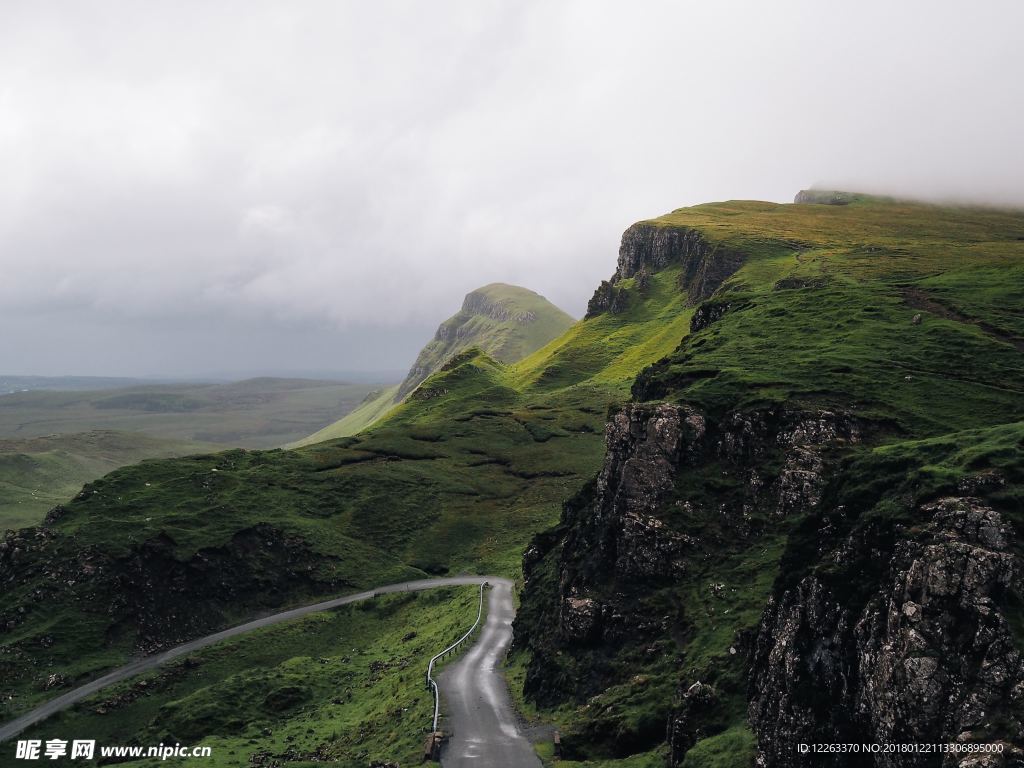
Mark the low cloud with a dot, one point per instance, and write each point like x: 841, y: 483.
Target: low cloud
x: 345, y: 172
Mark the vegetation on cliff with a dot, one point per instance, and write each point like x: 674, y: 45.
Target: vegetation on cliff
x: 807, y: 380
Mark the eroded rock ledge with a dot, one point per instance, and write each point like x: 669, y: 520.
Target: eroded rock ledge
x: 647, y: 248
x: 929, y: 659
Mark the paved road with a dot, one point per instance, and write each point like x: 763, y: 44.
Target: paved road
x: 476, y: 708
x: 14, y: 727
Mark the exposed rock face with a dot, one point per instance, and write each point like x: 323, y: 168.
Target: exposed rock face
x: 823, y: 197
x: 707, y: 314
x: 651, y: 247
x: 644, y: 446
x: 916, y: 648
x: 612, y: 534
x: 681, y: 734
x: 622, y: 540
x: 648, y: 248
x: 930, y: 658
x: 579, y: 618
x: 607, y: 298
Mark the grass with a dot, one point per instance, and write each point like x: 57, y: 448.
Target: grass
x: 820, y: 316
x: 482, y: 456
x: 845, y: 335
x: 36, y: 474
x: 345, y: 685
x: 376, y: 405
x: 732, y: 748
x: 505, y: 322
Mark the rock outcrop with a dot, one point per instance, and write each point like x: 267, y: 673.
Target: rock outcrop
x: 917, y: 648
x: 631, y: 537
x: 930, y: 657
x: 647, y: 248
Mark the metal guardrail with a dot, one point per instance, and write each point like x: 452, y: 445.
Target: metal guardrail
x: 431, y: 683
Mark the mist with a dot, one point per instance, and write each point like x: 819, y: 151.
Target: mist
x: 193, y: 188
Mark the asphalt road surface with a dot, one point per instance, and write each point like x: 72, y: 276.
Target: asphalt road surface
x: 14, y: 727
x: 475, y: 705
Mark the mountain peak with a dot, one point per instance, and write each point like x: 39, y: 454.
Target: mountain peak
x: 508, y: 322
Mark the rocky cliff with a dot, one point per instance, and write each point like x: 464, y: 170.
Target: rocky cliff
x: 647, y: 247
x: 679, y: 494
x: 928, y: 658
x: 917, y: 647
x: 784, y: 546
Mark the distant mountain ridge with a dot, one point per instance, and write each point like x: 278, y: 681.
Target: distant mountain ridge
x: 507, y: 322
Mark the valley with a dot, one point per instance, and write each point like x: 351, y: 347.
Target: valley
x: 54, y: 440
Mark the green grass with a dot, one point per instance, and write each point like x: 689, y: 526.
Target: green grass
x: 733, y: 748
x: 376, y: 405
x: 848, y: 339
x: 483, y: 455
x: 346, y: 685
x: 36, y: 474
x: 504, y: 321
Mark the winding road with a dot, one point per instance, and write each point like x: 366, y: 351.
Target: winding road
x: 481, y: 717
x: 478, y: 714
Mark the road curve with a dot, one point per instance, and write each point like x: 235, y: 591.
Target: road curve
x: 478, y: 714
x: 62, y: 702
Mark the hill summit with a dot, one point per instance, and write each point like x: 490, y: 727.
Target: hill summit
x: 505, y: 321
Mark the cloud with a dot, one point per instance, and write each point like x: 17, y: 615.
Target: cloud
x: 355, y: 168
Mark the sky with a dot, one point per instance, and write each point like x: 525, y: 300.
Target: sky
x: 233, y: 188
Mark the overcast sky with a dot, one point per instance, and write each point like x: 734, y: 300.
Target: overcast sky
x: 239, y: 187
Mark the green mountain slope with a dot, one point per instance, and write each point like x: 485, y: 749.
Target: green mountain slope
x: 457, y: 477
x: 376, y: 405
x: 38, y: 473
x: 761, y: 562
x: 505, y: 321
x: 756, y: 384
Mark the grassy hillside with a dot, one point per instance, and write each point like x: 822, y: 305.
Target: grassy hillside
x: 54, y: 441
x: 505, y: 321
x: 256, y: 413
x: 38, y: 473
x: 345, y: 686
x: 482, y: 455
x: 905, y: 320
x: 458, y: 477
x: 377, y: 404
